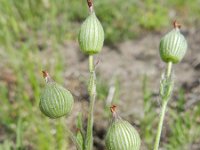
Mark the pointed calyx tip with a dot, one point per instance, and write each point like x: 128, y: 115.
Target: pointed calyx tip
x: 176, y: 24
x: 113, y: 108
x: 45, y: 74
x: 90, y: 5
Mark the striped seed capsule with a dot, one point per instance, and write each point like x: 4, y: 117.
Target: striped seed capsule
x: 121, y: 135
x: 173, y: 45
x: 55, y: 101
x: 91, y: 35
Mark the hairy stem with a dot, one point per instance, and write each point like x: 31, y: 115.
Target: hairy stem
x: 164, y: 106
x: 92, y: 93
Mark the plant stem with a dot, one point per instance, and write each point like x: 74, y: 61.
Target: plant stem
x: 91, y: 63
x: 159, y: 130
x: 164, y: 106
x: 169, y: 69
x: 89, y: 136
x: 89, y: 133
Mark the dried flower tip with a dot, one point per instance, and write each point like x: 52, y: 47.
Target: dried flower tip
x: 176, y: 24
x: 113, y: 108
x: 45, y: 74
x: 90, y: 3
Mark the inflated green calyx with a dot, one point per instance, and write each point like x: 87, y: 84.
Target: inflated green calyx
x: 173, y: 45
x: 55, y: 101
x: 91, y: 35
x: 121, y: 135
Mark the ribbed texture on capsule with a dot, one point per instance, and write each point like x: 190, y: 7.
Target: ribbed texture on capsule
x: 55, y: 101
x: 91, y: 35
x: 122, y: 135
x: 173, y: 46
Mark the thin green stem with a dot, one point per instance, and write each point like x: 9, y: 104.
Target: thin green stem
x: 91, y: 63
x: 159, y: 130
x: 89, y: 133
x: 169, y: 69
x: 164, y: 106
x: 89, y: 136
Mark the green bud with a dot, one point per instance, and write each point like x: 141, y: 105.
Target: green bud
x: 173, y: 46
x: 122, y: 135
x: 91, y: 35
x: 55, y: 101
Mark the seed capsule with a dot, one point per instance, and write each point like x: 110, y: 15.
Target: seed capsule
x: 121, y: 135
x: 55, y: 101
x: 173, y: 45
x: 91, y: 35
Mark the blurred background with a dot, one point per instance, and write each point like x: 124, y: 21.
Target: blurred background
x: 38, y: 35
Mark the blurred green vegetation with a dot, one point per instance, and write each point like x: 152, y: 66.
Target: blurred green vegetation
x: 27, y: 27
x: 43, y: 20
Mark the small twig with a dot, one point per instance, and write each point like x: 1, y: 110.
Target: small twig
x: 110, y: 96
x: 111, y: 92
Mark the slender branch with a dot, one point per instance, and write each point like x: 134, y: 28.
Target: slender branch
x: 165, y: 100
x: 92, y: 92
x: 159, y: 130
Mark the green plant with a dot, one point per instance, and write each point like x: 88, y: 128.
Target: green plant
x: 171, y: 52
x: 33, y: 31
x: 173, y: 46
x: 91, y: 38
x: 121, y: 134
x: 91, y: 35
x: 55, y: 101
